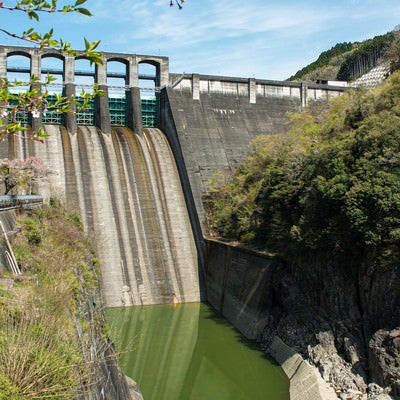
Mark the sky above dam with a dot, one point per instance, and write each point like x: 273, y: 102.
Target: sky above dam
x: 265, y: 39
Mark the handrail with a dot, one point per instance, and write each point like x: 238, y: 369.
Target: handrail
x: 19, y: 201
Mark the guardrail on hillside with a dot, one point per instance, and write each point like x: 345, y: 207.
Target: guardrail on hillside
x: 20, y: 201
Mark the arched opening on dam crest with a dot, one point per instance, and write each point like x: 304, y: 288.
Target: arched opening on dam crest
x: 131, y: 84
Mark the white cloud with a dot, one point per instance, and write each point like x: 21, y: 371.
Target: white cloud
x: 267, y: 38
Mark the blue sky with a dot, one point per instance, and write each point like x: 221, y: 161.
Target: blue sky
x: 265, y: 39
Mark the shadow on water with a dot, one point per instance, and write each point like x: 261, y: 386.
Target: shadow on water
x: 189, y: 352
x: 219, y: 319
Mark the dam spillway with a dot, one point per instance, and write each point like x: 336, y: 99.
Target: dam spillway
x: 127, y: 190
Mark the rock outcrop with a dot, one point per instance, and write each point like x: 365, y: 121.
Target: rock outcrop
x: 344, y: 319
x: 384, y: 359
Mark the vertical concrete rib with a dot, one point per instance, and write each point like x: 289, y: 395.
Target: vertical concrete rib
x: 135, y: 110
x: 195, y: 87
x: 69, y: 91
x: 36, y: 72
x: 252, y: 91
x: 102, y: 108
x: 3, y: 63
x: 183, y: 266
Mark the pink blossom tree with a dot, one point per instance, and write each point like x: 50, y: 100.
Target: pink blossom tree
x: 19, y: 176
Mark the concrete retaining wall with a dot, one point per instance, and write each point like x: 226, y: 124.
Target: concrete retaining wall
x: 305, y: 381
x: 238, y: 286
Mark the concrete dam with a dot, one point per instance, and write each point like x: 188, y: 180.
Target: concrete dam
x: 137, y: 177
x: 127, y: 191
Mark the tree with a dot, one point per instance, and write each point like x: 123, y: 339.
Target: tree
x: 20, y: 175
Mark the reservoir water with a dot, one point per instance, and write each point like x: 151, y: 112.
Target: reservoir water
x: 189, y: 352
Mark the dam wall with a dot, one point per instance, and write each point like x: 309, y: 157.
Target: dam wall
x: 239, y: 286
x: 127, y: 191
x: 210, y: 121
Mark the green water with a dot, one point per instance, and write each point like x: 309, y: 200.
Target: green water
x: 189, y: 352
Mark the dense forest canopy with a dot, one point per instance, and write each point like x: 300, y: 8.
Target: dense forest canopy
x: 347, y: 61
x: 329, y: 186
x: 365, y: 57
x: 324, y: 59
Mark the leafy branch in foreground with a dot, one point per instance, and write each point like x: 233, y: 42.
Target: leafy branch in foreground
x: 36, y: 102
x: 32, y: 8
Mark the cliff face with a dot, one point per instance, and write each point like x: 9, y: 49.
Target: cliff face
x: 345, y: 324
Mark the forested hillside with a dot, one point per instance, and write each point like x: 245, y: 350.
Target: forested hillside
x: 330, y: 185
x: 348, y: 61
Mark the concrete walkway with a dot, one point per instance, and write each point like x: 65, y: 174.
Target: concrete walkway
x: 305, y: 381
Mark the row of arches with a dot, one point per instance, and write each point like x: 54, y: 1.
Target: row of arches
x: 85, y: 73
x: 130, y: 83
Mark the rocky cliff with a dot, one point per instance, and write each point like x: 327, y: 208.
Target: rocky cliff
x: 347, y: 326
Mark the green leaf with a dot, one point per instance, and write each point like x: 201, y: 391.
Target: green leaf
x: 41, y: 133
x: 67, y: 9
x: 84, y: 11
x: 94, y: 44
x: 49, y: 34
x: 34, y: 36
x: 79, y: 2
x: 52, y: 43
x: 33, y: 15
x: 28, y: 32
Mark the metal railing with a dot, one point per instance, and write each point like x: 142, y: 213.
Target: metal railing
x: 19, y: 201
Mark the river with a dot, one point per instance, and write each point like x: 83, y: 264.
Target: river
x: 189, y: 352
